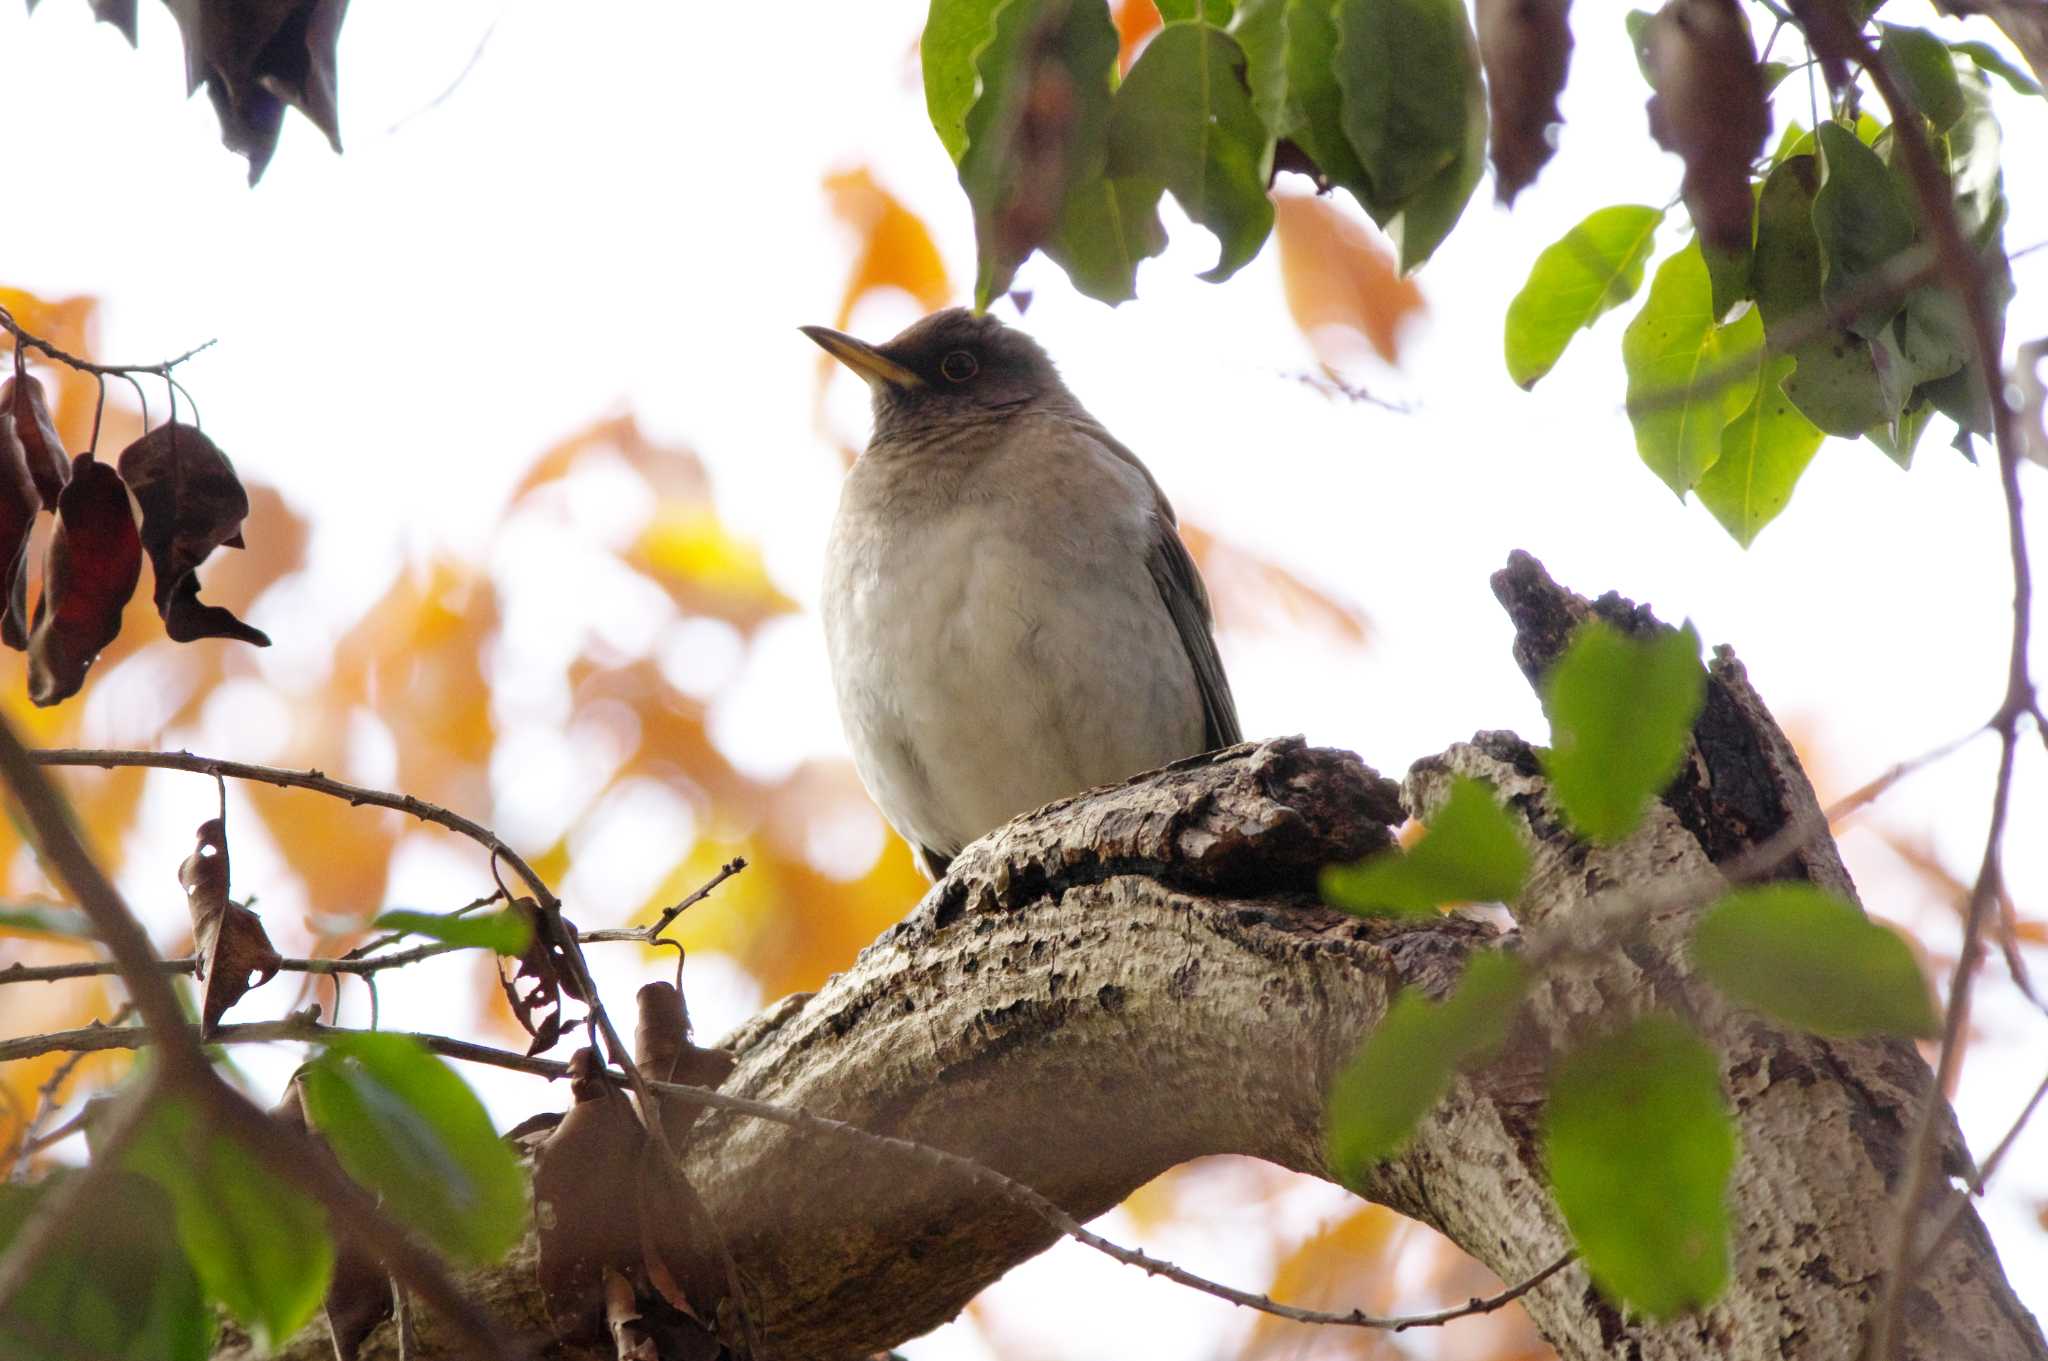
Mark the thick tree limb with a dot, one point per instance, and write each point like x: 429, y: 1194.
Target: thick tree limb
x: 1143, y: 975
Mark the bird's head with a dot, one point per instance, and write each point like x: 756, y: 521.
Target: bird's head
x: 951, y: 367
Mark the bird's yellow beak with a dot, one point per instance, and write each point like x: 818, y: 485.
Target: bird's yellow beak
x: 864, y: 359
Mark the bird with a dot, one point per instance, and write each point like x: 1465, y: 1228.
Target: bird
x: 1010, y: 614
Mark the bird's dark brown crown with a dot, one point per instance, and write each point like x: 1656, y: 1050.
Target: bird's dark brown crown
x: 976, y: 359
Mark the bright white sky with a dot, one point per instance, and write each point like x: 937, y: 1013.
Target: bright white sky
x: 619, y: 206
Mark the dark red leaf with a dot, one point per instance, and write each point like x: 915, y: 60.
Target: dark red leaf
x: 1710, y: 107
x: 192, y: 503
x: 94, y: 561
x: 1526, y: 47
x: 255, y: 58
x: 22, y: 397
x: 19, y: 504
x: 228, y: 938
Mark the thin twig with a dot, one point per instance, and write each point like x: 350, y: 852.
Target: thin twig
x: 161, y: 369
x: 651, y: 934
x: 183, y: 1066
x: 304, y: 1029
x: 1965, y: 276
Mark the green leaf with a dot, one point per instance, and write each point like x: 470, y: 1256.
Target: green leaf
x: 1017, y: 187
x: 1595, y: 266
x: 1640, y: 1146
x: 1994, y: 62
x: 48, y: 921
x: 1315, y: 104
x: 1423, y: 222
x: 1406, y: 69
x: 1405, y: 1066
x: 1763, y: 452
x: 1184, y: 118
x: 1728, y: 275
x: 1921, y: 63
x: 1471, y: 853
x: 1834, y: 382
x: 1812, y: 960
x: 954, y: 30
x: 1106, y: 227
x: 114, y: 1285
x: 1687, y: 376
x: 1637, y: 22
x: 259, y: 1246
x: 1215, y: 12
x: 1621, y: 711
x: 403, y: 1124
x: 1863, y: 224
x: 1260, y: 28
x: 1898, y: 439
x: 505, y: 932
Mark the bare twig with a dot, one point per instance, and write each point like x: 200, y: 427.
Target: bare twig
x: 307, y: 1030
x: 1964, y: 272
x: 183, y: 1066
x: 651, y: 933
x: 29, y: 340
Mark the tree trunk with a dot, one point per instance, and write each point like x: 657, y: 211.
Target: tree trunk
x: 1142, y: 975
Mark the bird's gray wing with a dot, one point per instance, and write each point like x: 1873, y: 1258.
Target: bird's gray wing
x: 1181, y: 590
x: 1180, y: 586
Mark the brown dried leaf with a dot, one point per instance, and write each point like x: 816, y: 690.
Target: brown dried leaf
x: 192, y: 503
x: 1526, y: 47
x: 678, y: 1241
x: 662, y: 1048
x: 546, y: 968
x: 228, y: 938
x: 19, y: 505
x: 585, y: 1205
x: 93, y: 563
x: 255, y: 58
x: 1340, y: 273
x: 22, y: 397
x: 1709, y: 107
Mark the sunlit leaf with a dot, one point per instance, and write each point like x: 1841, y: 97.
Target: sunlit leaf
x: 1405, y: 1066
x: 896, y: 250
x: 1621, y: 711
x: 1595, y: 266
x: 1687, y: 375
x: 504, y: 933
x: 259, y: 1246
x: 1640, y: 1145
x: 1812, y: 960
x: 954, y: 31
x: 1763, y: 452
x: 405, y: 1125
x: 1471, y: 853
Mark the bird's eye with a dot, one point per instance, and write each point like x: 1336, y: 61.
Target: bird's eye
x: 959, y: 366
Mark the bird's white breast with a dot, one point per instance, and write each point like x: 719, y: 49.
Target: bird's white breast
x: 990, y: 658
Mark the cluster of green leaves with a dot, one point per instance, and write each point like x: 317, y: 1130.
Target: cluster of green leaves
x: 1637, y: 1134
x: 1380, y: 97
x: 190, y: 1220
x: 1830, y: 322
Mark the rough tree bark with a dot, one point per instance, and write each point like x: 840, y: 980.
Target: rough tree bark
x: 1143, y: 975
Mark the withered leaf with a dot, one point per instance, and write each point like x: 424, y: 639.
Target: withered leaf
x: 18, y: 507
x: 1526, y: 48
x: 359, y: 1293
x: 92, y: 565
x: 255, y: 58
x: 192, y: 503
x: 1711, y: 108
x: 678, y: 1241
x: 22, y: 397
x: 632, y: 1339
x: 228, y: 938
x: 548, y: 974
x: 585, y: 1206
x: 664, y: 1052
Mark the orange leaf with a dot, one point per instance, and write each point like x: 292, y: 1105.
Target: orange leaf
x: 1250, y: 591
x: 1340, y: 276
x: 896, y: 248
x: 1136, y: 20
